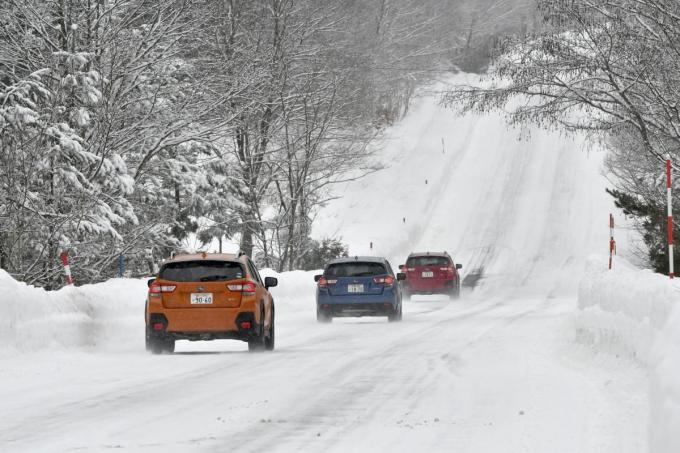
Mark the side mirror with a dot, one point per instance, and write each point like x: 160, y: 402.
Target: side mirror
x: 270, y: 282
x: 401, y: 267
x: 459, y: 266
x: 150, y: 281
x: 317, y: 277
x: 401, y: 276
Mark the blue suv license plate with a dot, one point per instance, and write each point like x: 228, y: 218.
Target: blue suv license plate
x: 355, y: 288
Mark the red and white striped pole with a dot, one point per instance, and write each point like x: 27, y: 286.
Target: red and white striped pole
x: 670, y: 215
x: 67, y: 268
x: 612, y: 242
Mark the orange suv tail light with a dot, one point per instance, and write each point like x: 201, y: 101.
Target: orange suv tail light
x: 247, y: 288
x: 155, y: 289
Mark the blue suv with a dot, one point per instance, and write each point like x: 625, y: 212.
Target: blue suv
x: 358, y: 286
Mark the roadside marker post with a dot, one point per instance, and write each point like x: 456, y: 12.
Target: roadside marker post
x: 121, y: 266
x: 612, y: 242
x: 67, y: 267
x: 669, y: 176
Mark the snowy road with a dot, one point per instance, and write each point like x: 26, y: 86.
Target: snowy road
x: 498, y: 371
x: 470, y: 376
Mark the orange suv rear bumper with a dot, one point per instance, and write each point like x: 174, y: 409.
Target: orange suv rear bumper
x: 202, y: 323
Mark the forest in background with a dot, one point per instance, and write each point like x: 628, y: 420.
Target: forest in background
x: 129, y: 126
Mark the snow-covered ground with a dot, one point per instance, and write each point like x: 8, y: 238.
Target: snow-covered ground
x: 479, y: 375
x: 500, y: 370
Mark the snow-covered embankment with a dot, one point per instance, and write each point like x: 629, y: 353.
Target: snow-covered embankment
x: 89, y: 316
x: 108, y: 315
x: 632, y: 312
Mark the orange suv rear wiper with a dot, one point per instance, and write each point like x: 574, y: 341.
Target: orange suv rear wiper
x: 210, y: 278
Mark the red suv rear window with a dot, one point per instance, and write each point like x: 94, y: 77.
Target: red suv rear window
x: 417, y: 261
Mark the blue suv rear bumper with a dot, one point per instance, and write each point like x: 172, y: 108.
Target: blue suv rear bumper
x: 357, y: 305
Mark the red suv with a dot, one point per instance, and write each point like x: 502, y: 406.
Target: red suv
x: 431, y: 273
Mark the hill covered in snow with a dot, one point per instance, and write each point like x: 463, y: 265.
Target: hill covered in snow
x: 521, y: 209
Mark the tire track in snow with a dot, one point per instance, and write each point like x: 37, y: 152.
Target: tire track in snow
x: 435, y: 198
x: 341, y: 407
x: 55, y: 420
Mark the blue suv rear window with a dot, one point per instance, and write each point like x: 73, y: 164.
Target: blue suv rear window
x: 201, y: 271
x: 355, y: 269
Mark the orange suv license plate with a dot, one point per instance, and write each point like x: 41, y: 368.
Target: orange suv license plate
x: 201, y: 298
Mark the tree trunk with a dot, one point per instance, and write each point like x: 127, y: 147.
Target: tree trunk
x: 246, y: 244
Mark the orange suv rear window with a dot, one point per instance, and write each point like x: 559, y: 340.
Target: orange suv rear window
x: 202, y: 271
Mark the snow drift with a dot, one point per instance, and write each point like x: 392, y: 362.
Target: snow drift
x: 636, y: 313
x: 108, y: 315
x: 665, y: 388
x: 94, y: 316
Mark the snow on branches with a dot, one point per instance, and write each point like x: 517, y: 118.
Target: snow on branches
x: 132, y: 127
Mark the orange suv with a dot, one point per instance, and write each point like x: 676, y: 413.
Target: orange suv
x: 209, y: 296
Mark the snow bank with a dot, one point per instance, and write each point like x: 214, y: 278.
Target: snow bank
x: 636, y: 313
x: 108, y: 315
x: 665, y: 389
x: 294, y: 293
x: 92, y: 316
x: 623, y: 310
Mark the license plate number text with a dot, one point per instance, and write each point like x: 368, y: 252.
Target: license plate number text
x: 355, y: 288
x: 201, y: 298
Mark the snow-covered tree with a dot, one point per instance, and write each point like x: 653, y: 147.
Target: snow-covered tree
x: 133, y: 127
x: 56, y: 191
x: 90, y: 81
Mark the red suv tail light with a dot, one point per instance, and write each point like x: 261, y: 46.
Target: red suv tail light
x: 247, y: 288
x: 387, y: 280
x: 325, y: 282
